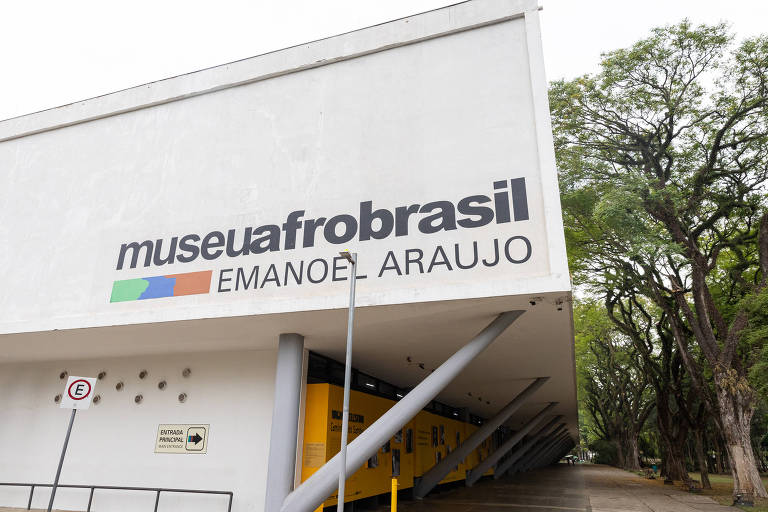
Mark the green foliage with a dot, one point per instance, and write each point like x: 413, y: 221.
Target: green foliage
x: 605, y: 452
x: 614, y: 396
x: 589, y: 321
x: 754, y: 338
x: 646, y: 138
x: 663, y: 167
x: 648, y: 446
x: 663, y: 159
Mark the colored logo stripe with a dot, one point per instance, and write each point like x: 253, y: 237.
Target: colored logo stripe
x: 174, y: 285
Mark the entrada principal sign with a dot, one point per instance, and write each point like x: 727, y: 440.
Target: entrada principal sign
x: 507, y: 203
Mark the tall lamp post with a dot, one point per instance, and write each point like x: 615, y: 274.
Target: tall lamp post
x: 352, y: 259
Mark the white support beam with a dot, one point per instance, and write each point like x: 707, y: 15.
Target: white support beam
x: 316, y: 489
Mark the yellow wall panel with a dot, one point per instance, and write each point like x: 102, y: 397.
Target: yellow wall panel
x: 432, y: 438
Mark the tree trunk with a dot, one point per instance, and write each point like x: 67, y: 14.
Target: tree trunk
x: 632, y: 454
x: 734, y: 398
x: 703, y: 469
x: 676, y: 464
x: 673, y: 433
x: 722, y: 456
x: 619, y: 453
x: 673, y: 453
x: 662, y: 457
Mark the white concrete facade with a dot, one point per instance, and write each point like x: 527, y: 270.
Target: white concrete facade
x: 446, y: 110
x: 112, y: 442
x: 419, y: 122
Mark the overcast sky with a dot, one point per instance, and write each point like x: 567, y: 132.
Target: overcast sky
x: 55, y: 52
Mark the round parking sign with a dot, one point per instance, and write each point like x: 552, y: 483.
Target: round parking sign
x: 79, y: 389
x: 78, y: 393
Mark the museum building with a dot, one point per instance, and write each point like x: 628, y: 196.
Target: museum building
x: 181, y: 241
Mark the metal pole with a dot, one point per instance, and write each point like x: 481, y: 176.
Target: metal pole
x: 393, y: 500
x: 347, y: 380
x: 90, y: 499
x: 61, y: 460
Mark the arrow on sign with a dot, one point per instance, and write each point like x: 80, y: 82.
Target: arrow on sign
x: 195, y: 438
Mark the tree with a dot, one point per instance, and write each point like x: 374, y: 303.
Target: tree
x: 680, y: 406
x: 669, y: 142
x: 615, y: 391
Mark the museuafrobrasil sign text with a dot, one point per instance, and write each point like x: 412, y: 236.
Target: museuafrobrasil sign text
x: 507, y: 203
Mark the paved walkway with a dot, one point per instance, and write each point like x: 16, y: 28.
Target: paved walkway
x: 563, y: 488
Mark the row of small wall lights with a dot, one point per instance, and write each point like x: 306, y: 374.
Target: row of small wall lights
x: 143, y: 374
x: 411, y: 362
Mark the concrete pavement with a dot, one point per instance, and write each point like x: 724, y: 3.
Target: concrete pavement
x: 563, y: 488
x: 613, y: 490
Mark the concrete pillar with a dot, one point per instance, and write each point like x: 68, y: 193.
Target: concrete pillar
x: 567, y: 448
x: 310, y: 494
x: 285, y: 420
x: 536, y: 460
x: 537, y: 438
x: 439, y: 471
x: 548, y: 452
x: 555, y: 453
x: 536, y: 451
x: 493, y: 458
x: 532, y: 456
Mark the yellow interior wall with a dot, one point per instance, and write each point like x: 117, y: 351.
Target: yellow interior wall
x: 322, y: 435
x: 427, y: 453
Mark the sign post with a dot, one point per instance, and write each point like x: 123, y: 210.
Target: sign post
x: 78, y: 394
x: 352, y: 258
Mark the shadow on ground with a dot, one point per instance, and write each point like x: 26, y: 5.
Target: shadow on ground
x: 564, y: 488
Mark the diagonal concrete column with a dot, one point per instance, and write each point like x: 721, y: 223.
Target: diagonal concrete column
x: 550, y: 452
x: 527, y: 462
x: 433, y: 477
x: 524, y: 459
x: 493, y: 458
x: 537, y: 438
x: 316, y: 489
x: 569, y: 446
x: 537, y: 461
x: 565, y: 448
x: 524, y: 456
x: 555, y: 454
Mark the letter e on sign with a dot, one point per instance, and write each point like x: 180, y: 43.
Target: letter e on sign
x: 78, y: 393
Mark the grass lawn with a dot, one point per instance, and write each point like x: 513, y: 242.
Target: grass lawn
x: 722, y: 490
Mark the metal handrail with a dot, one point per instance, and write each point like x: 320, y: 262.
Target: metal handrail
x: 156, y: 490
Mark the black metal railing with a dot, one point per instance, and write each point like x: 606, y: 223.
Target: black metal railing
x: 156, y: 490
